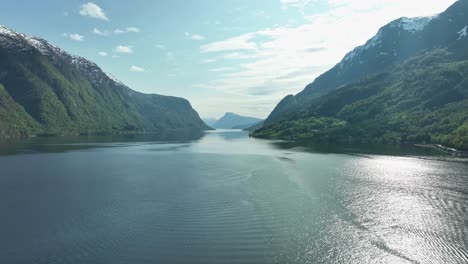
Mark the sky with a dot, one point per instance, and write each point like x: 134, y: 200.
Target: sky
x: 239, y: 56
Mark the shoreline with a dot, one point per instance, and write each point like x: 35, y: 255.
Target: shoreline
x: 444, y: 149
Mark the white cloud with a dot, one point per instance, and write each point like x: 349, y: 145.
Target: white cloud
x: 242, y: 42
x: 74, y: 36
x: 100, y: 33
x: 160, y: 46
x: 230, y: 56
x: 136, y: 69
x: 209, y: 60
x: 236, y: 56
x: 300, y: 4
x: 119, y: 31
x: 283, y: 60
x: 123, y: 49
x: 103, y: 53
x: 77, y: 37
x: 287, y: 2
x: 93, y: 10
x: 194, y: 36
x: 197, y: 37
x: 221, y: 69
x: 297, y: 2
x: 132, y: 29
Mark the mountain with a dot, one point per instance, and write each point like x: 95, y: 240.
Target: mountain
x: 45, y: 90
x: 394, y: 43
x: 254, y: 127
x: 418, y: 93
x: 209, y: 121
x: 234, y: 121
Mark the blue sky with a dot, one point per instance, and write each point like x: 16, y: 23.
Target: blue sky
x: 238, y: 56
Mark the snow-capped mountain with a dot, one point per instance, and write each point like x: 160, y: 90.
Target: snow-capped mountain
x: 393, y: 43
x: 379, y: 43
x: 44, y: 89
x: 17, y: 42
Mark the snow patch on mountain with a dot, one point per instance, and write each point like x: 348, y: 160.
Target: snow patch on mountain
x: 411, y: 25
x: 6, y: 31
x: 462, y: 33
x: 373, y: 42
x: 7, y: 36
x: 376, y: 40
x: 39, y: 44
x: 20, y: 42
x: 113, y: 78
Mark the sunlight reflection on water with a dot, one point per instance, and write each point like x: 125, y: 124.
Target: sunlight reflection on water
x: 227, y: 198
x: 406, y: 206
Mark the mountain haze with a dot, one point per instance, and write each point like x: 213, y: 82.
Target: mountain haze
x: 209, y: 121
x: 235, y: 121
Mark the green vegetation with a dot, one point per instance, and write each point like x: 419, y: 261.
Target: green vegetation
x: 14, y: 119
x: 423, y: 100
x: 51, y: 95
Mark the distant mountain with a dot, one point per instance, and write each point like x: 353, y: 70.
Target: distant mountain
x: 394, y: 43
x: 234, y: 121
x: 209, y: 121
x: 45, y: 90
x: 408, y: 84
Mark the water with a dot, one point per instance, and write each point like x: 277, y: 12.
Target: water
x: 226, y: 198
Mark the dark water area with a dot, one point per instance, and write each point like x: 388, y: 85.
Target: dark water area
x: 223, y: 197
x: 69, y: 143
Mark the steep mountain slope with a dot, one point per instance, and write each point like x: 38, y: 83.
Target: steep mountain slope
x: 44, y: 90
x: 394, y: 43
x: 234, y: 121
x: 423, y: 100
x: 408, y: 84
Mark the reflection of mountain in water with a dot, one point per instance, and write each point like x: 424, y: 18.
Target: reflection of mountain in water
x: 69, y: 143
x: 231, y: 134
x: 357, y: 149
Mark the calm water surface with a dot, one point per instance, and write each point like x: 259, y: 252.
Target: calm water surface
x: 226, y: 198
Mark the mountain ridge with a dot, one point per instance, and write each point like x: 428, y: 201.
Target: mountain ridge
x: 425, y: 81
x: 234, y: 121
x: 54, y: 92
x: 393, y: 43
